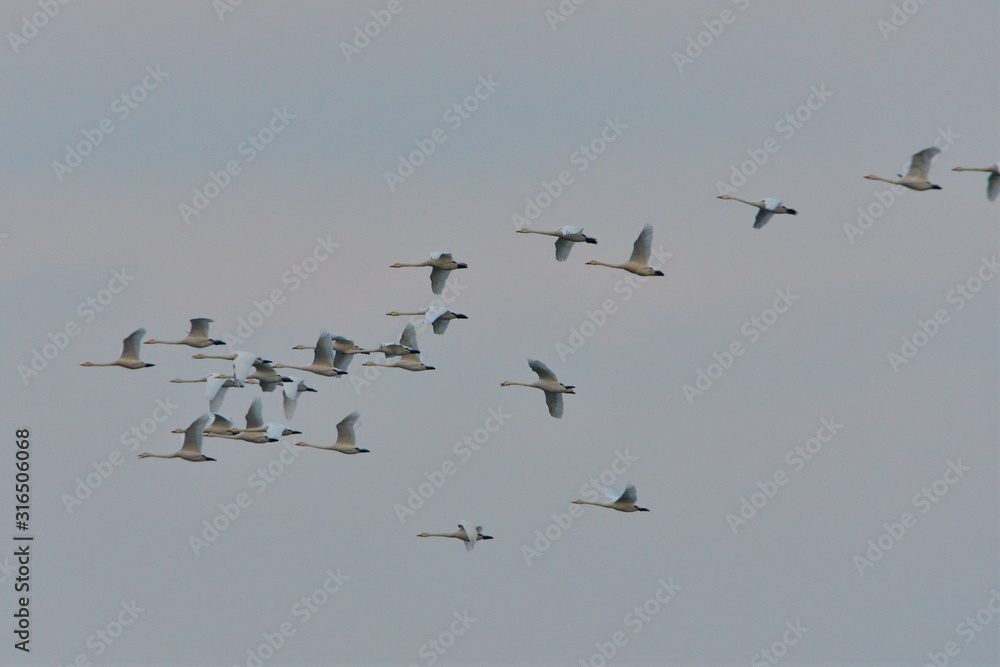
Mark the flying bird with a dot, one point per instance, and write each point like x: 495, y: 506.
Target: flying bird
x: 345, y: 437
x: 441, y: 264
x: 638, y: 263
x: 436, y: 316
x: 191, y: 450
x: 197, y: 336
x: 916, y: 177
x: 992, y: 183
x: 323, y: 358
x: 565, y: 238
x: 130, y: 353
x: 768, y: 207
x: 466, y: 532
x: 548, y: 383
x: 623, y: 502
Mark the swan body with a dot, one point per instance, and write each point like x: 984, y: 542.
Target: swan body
x: 191, y: 450
x: 323, y: 358
x: 407, y: 344
x: 565, y: 238
x: 345, y: 437
x: 441, y: 263
x: 992, y: 183
x: 130, y: 353
x: 197, y: 336
x: 466, y: 532
x: 548, y: 383
x: 916, y: 177
x: 638, y: 263
x: 623, y: 502
x: 768, y: 206
x: 436, y: 316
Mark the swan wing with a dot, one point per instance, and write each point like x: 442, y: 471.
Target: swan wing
x: 763, y: 215
x: 438, y: 278
x: 130, y: 346
x: 255, y: 415
x: 629, y: 495
x: 568, y: 231
x: 433, y: 313
x: 345, y: 429
x: 642, y: 247
x: 920, y: 164
x: 199, y: 327
x: 611, y: 493
x: 440, y: 326
x: 471, y: 533
x: 542, y: 370
x: 993, y: 186
x: 563, y: 246
x: 241, y: 367
x: 409, y: 337
x: 554, y: 400
x: 193, y: 434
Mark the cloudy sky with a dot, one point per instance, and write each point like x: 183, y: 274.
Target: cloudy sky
x: 809, y: 410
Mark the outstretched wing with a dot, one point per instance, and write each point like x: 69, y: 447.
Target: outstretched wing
x: 438, y: 278
x: 323, y: 356
x: 130, y: 346
x: 199, y: 327
x: 554, y: 400
x: 409, y: 337
x: 563, y: 247
x: 993, y: 186
x: 471, y: 533
x: 255, y: 415
x: 611, y: 493
x: 921, y: 162
x: 643, y: 246
x: 193, y: 434
x: 440, y: 326
x: 628, y: 496
x: 220, y: 424
x: 345, y: 429
x: 543, y: 371
x: 763, y: 215
x: 215, y: 391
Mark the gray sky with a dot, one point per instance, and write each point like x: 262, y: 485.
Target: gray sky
x: 684, y: 127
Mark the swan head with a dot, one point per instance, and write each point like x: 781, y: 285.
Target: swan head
x: 484, y: 537
x: 395, y: 266
x: 505, y: 384
x: 580, y: 502
x: 363, y: 451
x: 144, y: 455
x: 198, y: 356
x: 523, y: 230
x: 178, y: 430
x: 368, y: 363
x: 87, y: 363
x: 462, y: 265
x: 206, y: 458
x: 391, y: 312
x: 657, y: 273
x: 423, y: 535
x: 216, y: 341
x: 792, y: 211
x: 936, y: 187
x: 591, y: 262
x: 723, y: 197
x: 873, y: 177
x: 640, y: 509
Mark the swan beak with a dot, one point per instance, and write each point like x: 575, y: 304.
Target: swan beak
x: 463, y: 265
x: 590, y: 262
x: 364, y: 451
x: 310, y: 389
x: 430, y: 368
x: 936, y: 187
x: 523, y: 230
x: 422, y: 535
x: 658, y: 273
x: 577, y: 502
x: 459, y: 316
x: 722, y: 197
x: 642, y: 509
x: 869, y: 176
x: 209, y: 458
x: 485, y: 537
x: 216, y: 341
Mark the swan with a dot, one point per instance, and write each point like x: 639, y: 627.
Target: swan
x: 191, y: 450
x: 343, y: 350
x: 565, y: 238
x: 436, y: 316
x: 992, y: 183
x: 408, y: 362
x: 242, y: 363
x: 916, y: 177
x: 624, y: 502
x: 442, y: 264
x: 548, y: 383
x: 345, y: 437
x: 197, y: 337
x: 257, y: 431
x: 220, y: 427
x: 638, y: 263
x: 465, y: 529
x: 130, y: 353
x: 215, y: 388
x: 322, y: 359
x: 290, y: 394
x: 407, y: 344
x: 768, y: 207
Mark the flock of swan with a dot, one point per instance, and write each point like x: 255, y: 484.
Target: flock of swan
x: 332, y: 354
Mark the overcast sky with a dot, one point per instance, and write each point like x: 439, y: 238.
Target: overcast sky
x: 254, y: 141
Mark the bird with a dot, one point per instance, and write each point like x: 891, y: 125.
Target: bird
x: 465, y: 530
x: 345, y: 437
x: 623, y: 502
x: 219, y: 427
x: 191, y: 450
x: 197, y: 336
x: 257, y: 431
x: 565, y: 238
x: 290, y: 394
x: 242, y: 363
x: 130, y: 353
x: 638, y: 263
x: 768, y: 207
x: 408, y: 362
x: 548, y: 383
x: 992, y: 183
x: 407, y: 344
x: 916, y: 177
x: 436, y: 316
x: 322, y: 358
x: 215, y: 388
x: 264, y: 374
x: 343, y: 349
x: 441, y: 264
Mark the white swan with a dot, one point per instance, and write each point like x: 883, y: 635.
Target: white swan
x: 290, y: 394
x: 345, y: 437
x: 407, y: 344
x: 322, y: 359
x: 466, y: 532
x: 441, y: 264
x: 623, y: 502
x: 638, y: 263
x: 343, y: 348
x: 436, y: 316
x: 548, y: 383
x: 216, y: 385
x: 242, y: 363
x: 257, y: 431
x: 197, y: 336
x: 191, y: 450
x: 992, y: 183
x: 130, y: 353
x: 220, y: 427
x: 565, y: 238
x: 916, y: 177
x: 768, y: 207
